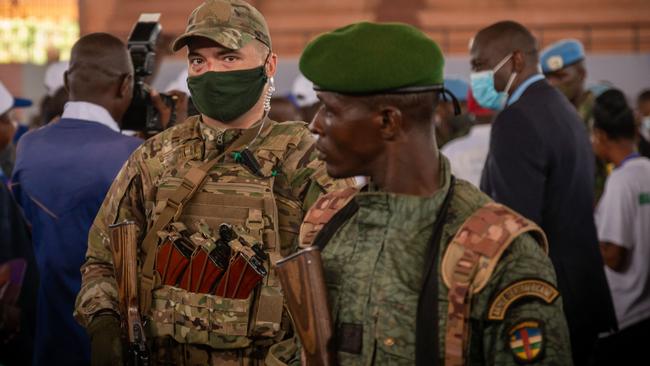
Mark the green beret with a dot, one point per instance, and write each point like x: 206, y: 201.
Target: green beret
x: 373, y: 58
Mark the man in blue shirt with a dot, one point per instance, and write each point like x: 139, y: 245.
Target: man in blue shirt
x: 63, y: 171
x: 541, y: 164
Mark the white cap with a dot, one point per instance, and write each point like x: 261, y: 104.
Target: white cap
x: 6, y: 99
x: 303, y: 92
x: 54, y: 76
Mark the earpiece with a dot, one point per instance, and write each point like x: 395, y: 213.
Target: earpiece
x: 269, y: 95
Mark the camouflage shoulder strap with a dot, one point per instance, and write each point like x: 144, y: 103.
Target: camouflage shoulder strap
x: 470, y: 260
x: 322, y: 212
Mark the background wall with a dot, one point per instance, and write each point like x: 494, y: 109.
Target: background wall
x: 616, y: 33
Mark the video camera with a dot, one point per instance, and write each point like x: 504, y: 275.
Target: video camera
x: 142, y: 115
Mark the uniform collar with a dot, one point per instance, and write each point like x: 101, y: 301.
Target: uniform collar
x: 216, y: 138
x: 399, y: 202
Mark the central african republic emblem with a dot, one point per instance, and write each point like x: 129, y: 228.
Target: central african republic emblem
x: 526, y: 341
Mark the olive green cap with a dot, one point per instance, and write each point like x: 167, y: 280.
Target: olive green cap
x: 231, y: 23
x: 373, y: 58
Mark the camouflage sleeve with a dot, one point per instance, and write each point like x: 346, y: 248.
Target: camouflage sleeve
x: 518, y: 318
x: 307, y: 175
x: 123, y: 202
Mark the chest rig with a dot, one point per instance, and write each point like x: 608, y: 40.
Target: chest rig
x: 201, y: 292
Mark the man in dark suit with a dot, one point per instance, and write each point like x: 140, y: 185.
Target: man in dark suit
x: 63, y: 171
x: 541, y: 164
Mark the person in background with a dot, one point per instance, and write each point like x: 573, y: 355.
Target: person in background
x: 304, y: 97
x: 643, y: 110
x: 17, y: 316
x: 52, y: 106
x: 622, y: 220
x: 467, y: 154
x: 63, y: 171
x: 541, y: 164
x: 53, y: 80
x: 7, y: 131
x: 563, y: 65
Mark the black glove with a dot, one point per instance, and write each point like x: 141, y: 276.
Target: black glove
x: 105, y: 340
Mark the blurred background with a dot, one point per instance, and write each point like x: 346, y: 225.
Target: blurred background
x: 615, y: 33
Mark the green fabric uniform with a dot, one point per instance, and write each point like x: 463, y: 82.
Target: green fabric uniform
x: 286, y: 154
x: 375, y: 261
x: 374, y: 269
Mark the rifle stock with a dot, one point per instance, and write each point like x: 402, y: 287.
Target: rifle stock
x: 124, y: 250
x: 303, y: 283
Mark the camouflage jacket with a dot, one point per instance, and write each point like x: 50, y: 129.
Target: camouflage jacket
x: 135, y: 194
x: 374, y: 268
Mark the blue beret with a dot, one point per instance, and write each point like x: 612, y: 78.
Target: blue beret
x: 458, y: 87
x: 561, y: 54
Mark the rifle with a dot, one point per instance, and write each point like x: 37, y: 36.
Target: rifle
x: 303, y: 283
x: 124, y: 242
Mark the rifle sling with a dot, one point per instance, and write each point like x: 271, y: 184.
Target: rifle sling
x: 427, y: 350
x: 192, y: 181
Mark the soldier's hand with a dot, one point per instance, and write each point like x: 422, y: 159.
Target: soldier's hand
x: 105, y: 341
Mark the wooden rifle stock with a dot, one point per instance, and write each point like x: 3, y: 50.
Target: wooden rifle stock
x: 124, y: 250
x: 301, y: 275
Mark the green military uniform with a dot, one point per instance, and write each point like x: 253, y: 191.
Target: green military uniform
x: 179, y: 187
x: 375, y: 262
x: 292, y: 180
x: 374, y: 268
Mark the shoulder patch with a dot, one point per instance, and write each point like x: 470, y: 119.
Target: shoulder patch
x: 518, y: 290
x: 527, y: 341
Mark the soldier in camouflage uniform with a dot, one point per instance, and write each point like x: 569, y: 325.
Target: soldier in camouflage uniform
x: 390, y: 280
x: 563, y: 64
x: 260, y: 177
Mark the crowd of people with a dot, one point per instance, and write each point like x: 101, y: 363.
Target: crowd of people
x: 501, y: 220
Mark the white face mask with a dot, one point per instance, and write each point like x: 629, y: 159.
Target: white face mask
x: 644, y: 129
x: 483, y: 89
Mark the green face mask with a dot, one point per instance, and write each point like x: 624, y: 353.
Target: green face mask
x: 226, y: 95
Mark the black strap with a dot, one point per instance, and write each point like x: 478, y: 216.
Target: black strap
x: 325, y: 234
x: 454, y: 100
x: 426, y: 328
x: 427, y: 349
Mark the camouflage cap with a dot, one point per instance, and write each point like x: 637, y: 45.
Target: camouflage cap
x: 231, y: 23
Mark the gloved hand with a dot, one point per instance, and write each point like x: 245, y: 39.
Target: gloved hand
x: 105, y: 340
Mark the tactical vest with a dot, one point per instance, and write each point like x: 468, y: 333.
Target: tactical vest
x: 467, y: 263
x: 230, y: 194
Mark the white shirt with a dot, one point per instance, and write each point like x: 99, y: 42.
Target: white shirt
x: 90, y: 112
x: 467, y: 154
x: 623, y: 219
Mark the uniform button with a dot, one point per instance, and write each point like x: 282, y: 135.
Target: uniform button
x: 389, y: 342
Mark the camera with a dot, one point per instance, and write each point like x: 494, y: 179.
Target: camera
x: 142, y: 115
